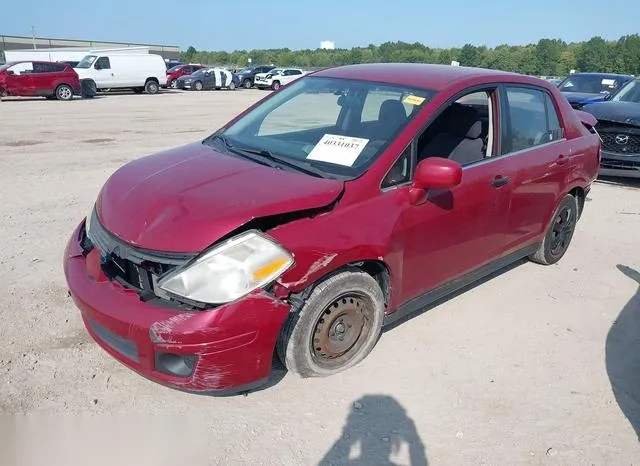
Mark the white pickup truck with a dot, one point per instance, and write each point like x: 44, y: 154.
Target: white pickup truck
x: 277, y: 77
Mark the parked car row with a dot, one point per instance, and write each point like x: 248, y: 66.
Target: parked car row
x: 104, y: 72
x: 199, y: 77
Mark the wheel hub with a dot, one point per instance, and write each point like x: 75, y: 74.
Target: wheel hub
x: 339, y: 328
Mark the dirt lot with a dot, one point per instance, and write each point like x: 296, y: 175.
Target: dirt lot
x: 527, y: 368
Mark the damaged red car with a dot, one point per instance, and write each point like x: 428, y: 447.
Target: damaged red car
x: 344, y: 201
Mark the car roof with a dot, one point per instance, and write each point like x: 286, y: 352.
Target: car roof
x: 422, y: 75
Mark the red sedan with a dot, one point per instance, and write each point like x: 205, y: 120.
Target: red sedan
x: 334, y: 206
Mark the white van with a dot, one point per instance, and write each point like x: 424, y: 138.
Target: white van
x: 138, y: 72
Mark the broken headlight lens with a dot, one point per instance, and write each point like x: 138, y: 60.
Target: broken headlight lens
x: 230, y: 270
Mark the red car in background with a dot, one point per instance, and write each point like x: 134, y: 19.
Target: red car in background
x: 180, y: 70
x: 52, y: 80
x: 349, y: 198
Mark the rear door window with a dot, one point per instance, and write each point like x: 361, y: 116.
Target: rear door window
x: 531, y: 120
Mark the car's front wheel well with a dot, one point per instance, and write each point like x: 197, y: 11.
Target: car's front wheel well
x: 377, y: 269
x: 380, y: 272
x: 581, y: 197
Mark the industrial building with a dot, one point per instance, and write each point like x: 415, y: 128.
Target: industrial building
x: 168, y: 52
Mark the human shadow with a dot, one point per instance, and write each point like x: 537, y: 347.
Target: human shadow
x: 379, y: 427
x: 623, y: 355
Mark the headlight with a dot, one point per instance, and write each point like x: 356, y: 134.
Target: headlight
x: 230, y: 270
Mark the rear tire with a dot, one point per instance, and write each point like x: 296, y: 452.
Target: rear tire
x: 559, y: 233
x: 151, y: 87
x: 337, y: 327
x: 64, y: 92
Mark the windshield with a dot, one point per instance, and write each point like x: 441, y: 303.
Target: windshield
x: 87, y: 61
x: 630, y: 92
x: 591, y: 84
x: 338, y: 126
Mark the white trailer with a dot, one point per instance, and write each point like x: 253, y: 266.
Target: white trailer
x: 72, y: 54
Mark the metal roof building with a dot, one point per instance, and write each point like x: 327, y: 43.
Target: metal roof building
x: 171, y: 52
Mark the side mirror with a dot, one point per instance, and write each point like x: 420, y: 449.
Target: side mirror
x: 434, y: 173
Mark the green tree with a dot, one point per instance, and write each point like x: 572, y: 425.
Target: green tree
x: 546, y: 57
x: 189, y: 54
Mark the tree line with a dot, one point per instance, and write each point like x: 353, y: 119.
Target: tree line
x: 549, y: 57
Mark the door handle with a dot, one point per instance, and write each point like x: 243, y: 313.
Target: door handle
x: 499, y: 181
x: 562, y: 159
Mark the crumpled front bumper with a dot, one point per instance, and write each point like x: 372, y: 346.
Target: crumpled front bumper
x: 221, y: 351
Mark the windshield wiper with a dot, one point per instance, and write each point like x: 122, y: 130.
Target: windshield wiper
x: 232, y: 149
x: 266, y: 157
x: 304, y: 167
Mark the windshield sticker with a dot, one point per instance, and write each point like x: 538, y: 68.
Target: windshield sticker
x: 413, y: 100
x: 608, y: 82
x: 340, y: 150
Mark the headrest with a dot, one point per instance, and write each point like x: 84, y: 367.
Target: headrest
x: 462, y: 120
x: 392, y: 111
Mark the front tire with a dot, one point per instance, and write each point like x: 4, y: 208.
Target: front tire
x: 247, y: 83
x: 232, y: 86
x: 276, y: 85
x: 197, y: 86
x: 559, y: 233
x: 151, y: 87
x: 337, y: 327
x: 64, y: 92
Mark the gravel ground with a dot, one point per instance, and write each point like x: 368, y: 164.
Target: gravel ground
x: 538, y: 366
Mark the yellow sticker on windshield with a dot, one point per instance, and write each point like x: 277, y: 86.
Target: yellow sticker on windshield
x: 413, y: 100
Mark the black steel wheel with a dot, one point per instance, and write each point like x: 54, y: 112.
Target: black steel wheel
x: 559, y: 233
x: 337, y: 327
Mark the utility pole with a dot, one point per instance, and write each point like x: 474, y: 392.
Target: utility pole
x: 33, y: 36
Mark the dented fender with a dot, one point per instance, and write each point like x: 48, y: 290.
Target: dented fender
x: 342, y: 245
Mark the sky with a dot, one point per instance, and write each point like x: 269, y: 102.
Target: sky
x: 251, y: 24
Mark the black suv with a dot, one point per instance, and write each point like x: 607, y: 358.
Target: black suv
x: 247, y: 75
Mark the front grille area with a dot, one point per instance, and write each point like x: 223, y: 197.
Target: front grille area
x: 620, y: 164
x: 132, y: 267
x: 619, y: 139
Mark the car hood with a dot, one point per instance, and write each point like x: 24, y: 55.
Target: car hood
x: 184, y: 199
x: 581, y: 97
x: 618, y: 112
